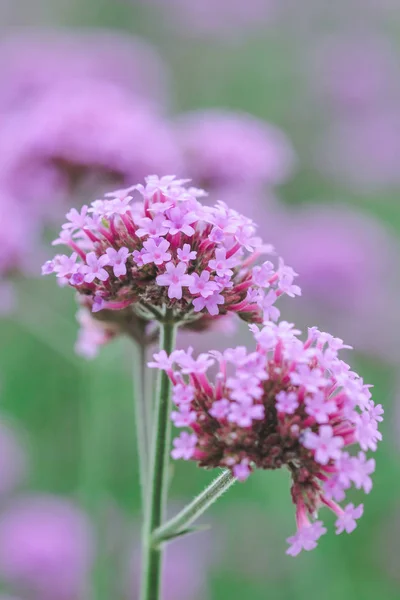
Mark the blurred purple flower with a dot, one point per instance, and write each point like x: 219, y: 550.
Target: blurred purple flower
x: 82, y: 136
x: 363, y: 153
x: 348, y: 268
x: 17, y: 255
x: 224, y: 148
x: 33, y: 61
x: 216, y: 17
x: 357, y: 72
x: 45, y: 547
x: 13, y: 462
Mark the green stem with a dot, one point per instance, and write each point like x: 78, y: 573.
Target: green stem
x: 158, y: 481
x: 195, y: 509
x: 142, y: 417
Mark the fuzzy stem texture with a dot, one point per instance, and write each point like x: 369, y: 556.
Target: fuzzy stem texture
x: 180, y: 523
x: 158, y: 478
x: 142, y: 417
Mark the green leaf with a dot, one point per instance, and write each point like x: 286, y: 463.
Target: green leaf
x: 169, y: 537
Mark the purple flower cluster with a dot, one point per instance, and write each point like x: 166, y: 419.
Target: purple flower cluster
x: 46, y: 547
x: 156, y: 247
x: 288, y: 403
x: 93, y: 116
x: 18, y: 236
x: 77, y: 56
x: 230, y: 149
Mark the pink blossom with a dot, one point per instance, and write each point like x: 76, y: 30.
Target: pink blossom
x: 220, y: 408
x: 175, y: 278
x: 92, y: 335
x: 266, y: 303
x: 180, y: 221
x: 305, y: 538
x: 244, y: 414
x: 310, y: 379
x: 202, y: 285
x: 186, y: 254
x: 210, y: 303
x: 221, y: 265
x: 245, y: 387
x: 287, y: 402
x: 347, y: 519
x: 318, y: 407
x: 137, y: 256
x: 94, y: 267
x: 184, y: 446
x: 375, y: 411
x: 189, y: 365
x: 162, y: 361
x: 152, y: 227
x: 121, y: 206
x: 117, y: 260
x: 182, y: 394
x: 324, y: 443
x: 48, y: 267
x: 363, y: 469
x: 367, y: 432
x: 77, y: 220
x: 185, y: 417
x: 335, y: 488
x: 242, y: 470
x: 156, y: 251
x: 65, y: 265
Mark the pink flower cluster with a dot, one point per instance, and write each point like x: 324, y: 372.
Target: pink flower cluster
x: 156, y: 247
x: 288, y: 403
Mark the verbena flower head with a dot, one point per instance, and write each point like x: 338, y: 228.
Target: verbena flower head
x: 287, y: 404
x: 156, y: 248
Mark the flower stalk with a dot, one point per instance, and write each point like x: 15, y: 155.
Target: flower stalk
x: 142, y: 416
x: 158, y: 475
x: 179, y: 524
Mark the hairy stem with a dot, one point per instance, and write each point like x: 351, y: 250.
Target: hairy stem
x: 158, y: 479
x: 142, y: 416
x: 195, y: 509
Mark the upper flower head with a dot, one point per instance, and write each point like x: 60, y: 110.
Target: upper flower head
x: 288, y: 403
x: 157, y: 248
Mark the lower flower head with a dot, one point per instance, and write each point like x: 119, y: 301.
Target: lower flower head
x: 287, y: 404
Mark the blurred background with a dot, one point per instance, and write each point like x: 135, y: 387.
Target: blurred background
x: 290, y: 112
